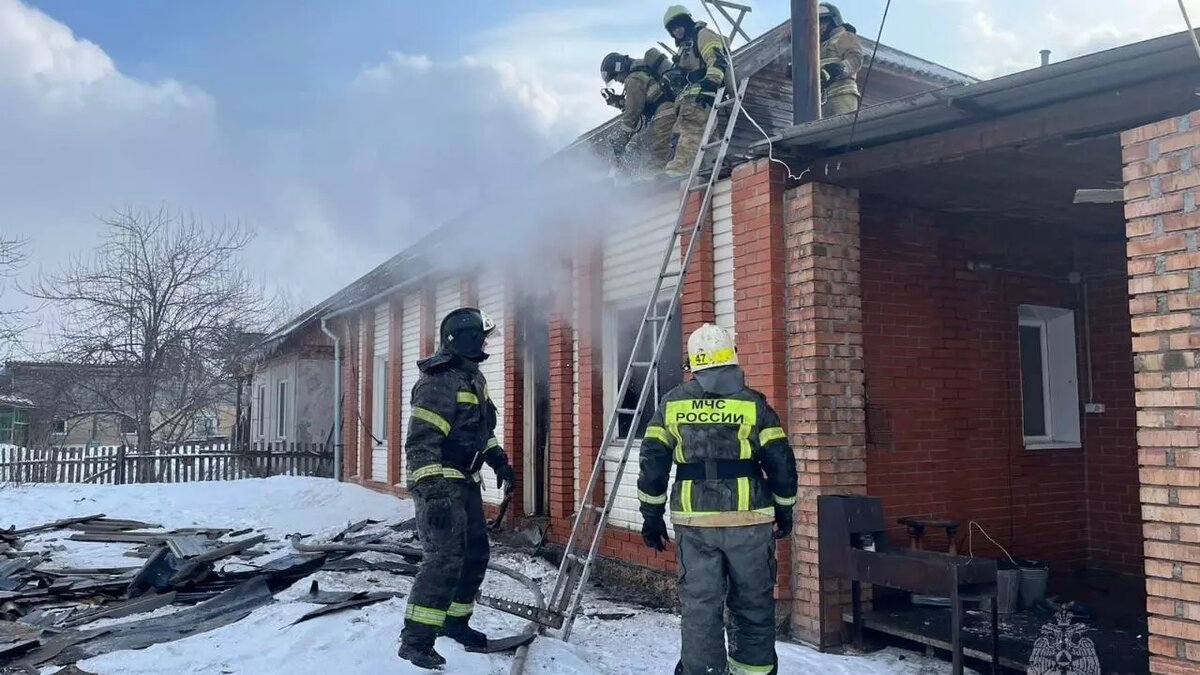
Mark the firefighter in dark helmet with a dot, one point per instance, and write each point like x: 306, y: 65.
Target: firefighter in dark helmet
x: 735, y: 476
x: 450, y: 437
x: 841, y: 59
x: 648, y: 100
x: 704, y: 56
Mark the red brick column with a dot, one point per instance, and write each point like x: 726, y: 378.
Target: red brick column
x: 513, y: 338
x: 760, y: 312
x: 698, y: 302
x: 825, y: 369
x: 395, y: 466
x: 1164, y: 282
x: 468, y: 289
x: 350, y: 397
x: 562, y: 414
x: 366, y: 371
x: 588, y: 279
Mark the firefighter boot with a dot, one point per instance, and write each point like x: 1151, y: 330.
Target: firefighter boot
x: 456, y: 629
x: 416, y: 647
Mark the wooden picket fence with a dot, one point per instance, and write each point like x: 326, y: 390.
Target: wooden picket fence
x: 117, y: 464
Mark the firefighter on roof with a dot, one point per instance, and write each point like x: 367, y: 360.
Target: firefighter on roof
x: 649, y: 98
x: 703, y: 55
x: 450, y: 437
x: 735, y: 475
x: 841, y: 58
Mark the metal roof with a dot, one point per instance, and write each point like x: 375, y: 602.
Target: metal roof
x: 1108, y: 70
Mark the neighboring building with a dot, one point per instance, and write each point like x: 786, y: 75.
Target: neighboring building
x: 935, y: 320
x: 288, y: 396
x: 14, y: 419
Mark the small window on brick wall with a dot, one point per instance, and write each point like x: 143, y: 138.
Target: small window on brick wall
x: 1049, y: 377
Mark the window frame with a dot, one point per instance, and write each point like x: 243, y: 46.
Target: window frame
x: 54, y: 424
x: 281, y: 409
x: 262, y: 411
x: 1060, y: 377
x: 614, y: 369
x: 379, y: 400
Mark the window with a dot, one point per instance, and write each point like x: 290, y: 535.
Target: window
x: 281, y: 409
x: 379, y: 402
x: 60, y: 427
x: 624, y: 330
x: 262, y: 410
x: 1049, y: 377
x: 128, y: 426
x: 204, y: 427
x: 7, y: 418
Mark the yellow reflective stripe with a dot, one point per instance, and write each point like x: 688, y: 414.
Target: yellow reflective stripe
x: 652, y: 499
x: 685, y: 496
x: 460, y: 609
x: 493, y: 443
x: 447, y: 472
x: 746, y: 450
x: 739, y: 668
x: 432, y: 418
x: 767, y: 511
x: 659, y: 434
x: 720, y: 357
x: 426, y: 615
x: 743, y: 494
x: 674, y: 429
x: 771, y: 434
x: 711, y: 411
x: 784, y: 501
x: 425, y: 472
x: 468, y: 397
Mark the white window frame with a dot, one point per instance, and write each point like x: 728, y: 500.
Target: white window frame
x: 281, y: 410
x: 1060, y: 376
x: 262, y: 411
x: 614, y: 371
x: 379, y: 401
x: 54, y: 427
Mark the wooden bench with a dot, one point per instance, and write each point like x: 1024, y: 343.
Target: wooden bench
x: 842, y: 522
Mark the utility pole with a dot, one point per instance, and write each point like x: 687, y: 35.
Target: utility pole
x: 806, y: 62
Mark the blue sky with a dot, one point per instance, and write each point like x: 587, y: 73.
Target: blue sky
x: 342, y: 130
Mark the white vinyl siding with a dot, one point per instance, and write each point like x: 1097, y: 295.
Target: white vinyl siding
x: 579, y: 470
x: 379, y: 394
x: 363, y: 345
x: 723, y: 271
x: 632, y: 257
x: 410, y: 353
x: 447, y: 300
x: 491, y: 301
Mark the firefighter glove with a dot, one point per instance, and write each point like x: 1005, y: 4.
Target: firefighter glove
x: 708, y: 94
x: 654, y: 532
x: 506, y: 478
x: 784, y: 519
x: 831, y: 71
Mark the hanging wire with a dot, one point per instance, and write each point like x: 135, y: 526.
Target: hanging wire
x: 871, y: 67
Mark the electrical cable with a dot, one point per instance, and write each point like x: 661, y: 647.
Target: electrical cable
x: 971, y: 544
x: 870, y: 67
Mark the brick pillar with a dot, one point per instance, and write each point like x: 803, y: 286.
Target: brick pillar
x: 468, y: 289
x: 588, y: 279
x: 350, y: 357
x: 825, y: 370
x: 429, y: 328
x: 395, y: 465
x: 562, y: 412
x: 366, y: 371
x: 513, y: 339
x: 1164, y: 284
x: 760, y: 312
x: 698, y: 301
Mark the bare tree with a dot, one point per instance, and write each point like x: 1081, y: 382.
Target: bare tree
x: 12, y: 258
x: 163, y: 307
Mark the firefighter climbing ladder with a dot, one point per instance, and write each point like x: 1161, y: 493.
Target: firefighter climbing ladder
x: 590, y: 517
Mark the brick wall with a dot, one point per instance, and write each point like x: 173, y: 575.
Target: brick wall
x: 698, y: 300
x: 1164, y: 282
x: 350, y: 355
x: 943, y: 386
x: 825, y: 374
x: 395, y: 475
x: 562, y: 414
x: 512, y: 336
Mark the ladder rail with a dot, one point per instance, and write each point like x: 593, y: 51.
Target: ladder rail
x: 571, y: 583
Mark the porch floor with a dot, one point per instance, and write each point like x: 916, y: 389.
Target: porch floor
x: 1118, y: 633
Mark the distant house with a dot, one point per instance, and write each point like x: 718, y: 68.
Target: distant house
x: 14, y: 419
x: 287, y: 395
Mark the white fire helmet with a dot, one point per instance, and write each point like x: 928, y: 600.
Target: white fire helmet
x: 711, y: 346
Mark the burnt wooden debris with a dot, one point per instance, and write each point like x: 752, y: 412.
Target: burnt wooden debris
x: 49, y: 612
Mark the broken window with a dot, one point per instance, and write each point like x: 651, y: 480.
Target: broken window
x: 1049, y: 377
x: 670, y: 367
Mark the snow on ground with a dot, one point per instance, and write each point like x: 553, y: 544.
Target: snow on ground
x: 645, y: 642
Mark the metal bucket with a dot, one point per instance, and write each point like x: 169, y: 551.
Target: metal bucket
x: 1034, y: 576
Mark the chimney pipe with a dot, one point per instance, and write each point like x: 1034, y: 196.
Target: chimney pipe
x: 1045, y: 57
x: 806, y: 62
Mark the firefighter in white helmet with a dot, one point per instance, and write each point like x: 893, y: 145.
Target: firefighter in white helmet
x: 735, y: 476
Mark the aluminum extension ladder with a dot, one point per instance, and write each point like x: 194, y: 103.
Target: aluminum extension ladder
x: 591, y: 518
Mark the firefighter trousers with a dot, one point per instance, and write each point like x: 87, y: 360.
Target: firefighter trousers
x: 730, y: 567
x: 452, y: 570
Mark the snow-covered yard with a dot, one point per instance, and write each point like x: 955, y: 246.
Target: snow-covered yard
x: 365, y: 640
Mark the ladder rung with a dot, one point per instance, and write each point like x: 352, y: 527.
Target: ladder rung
x: 576, y: 558
x: 642, y: 364
x: 668, y: 275
x: 698, y: 187
x: 657, y: 319
x: 627, y: 411
x: 727, y: 102
x: 596, y: 507
x: 712, y: 144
